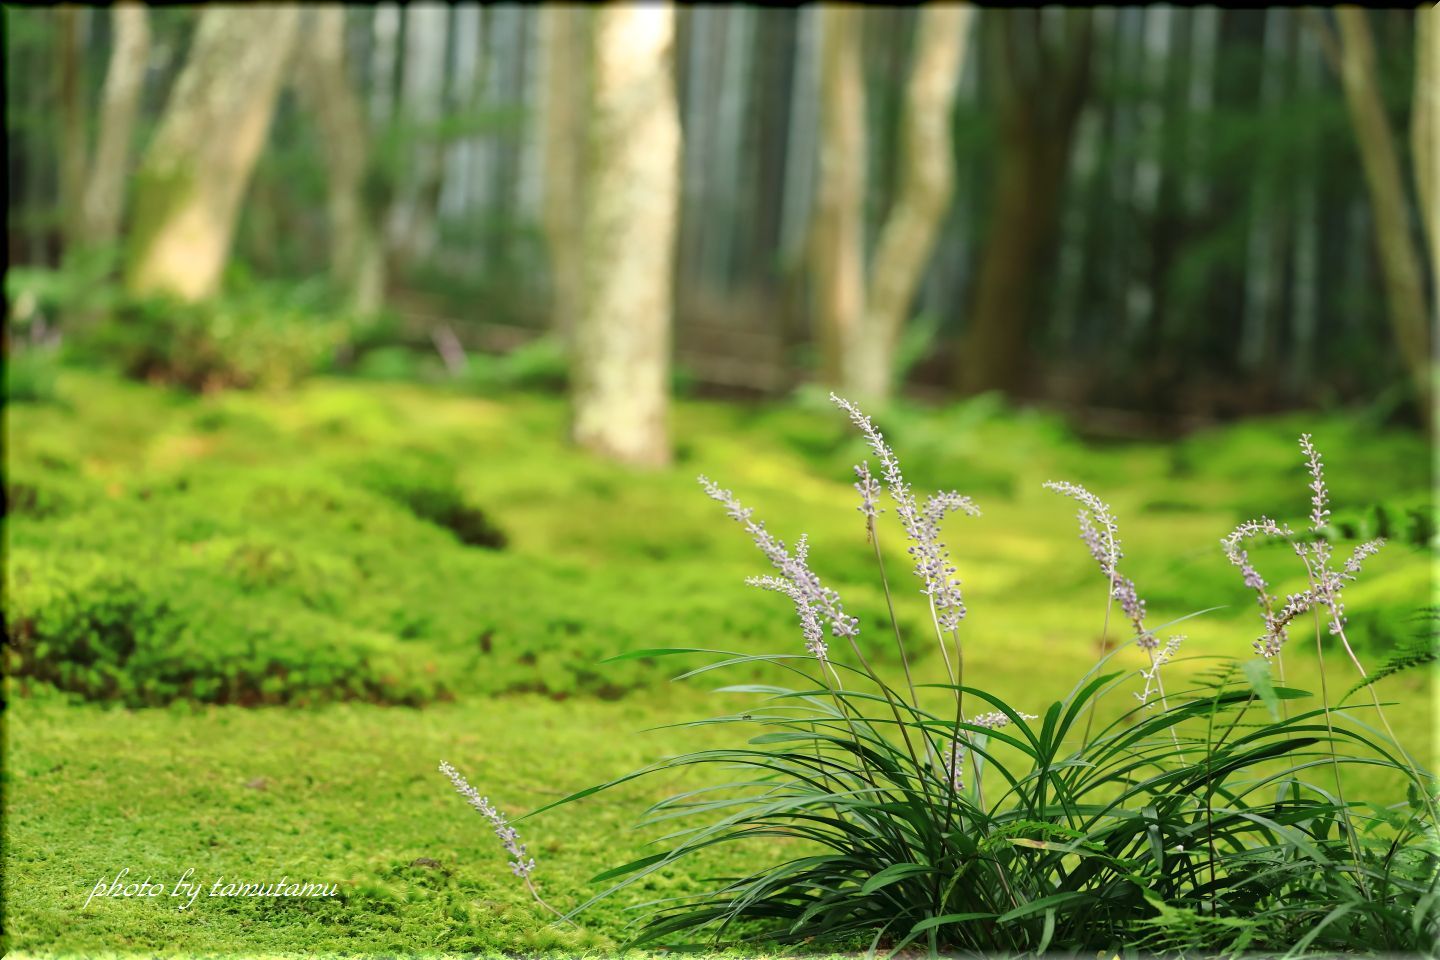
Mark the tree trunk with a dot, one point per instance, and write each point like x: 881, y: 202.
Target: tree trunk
x: 1262, y: 266
x: 356, y: 258
x: 561, y: 45
x: 926, y: 182
x: 457, y: 179
x: 728, y: 182
x: 838, y: 223
x: 410, y: 227
x: 1305, y: 283
x: 104, y: 200
x: 70, y: 79
x: 1148, y: 181
x: 195, y: 172
x: 385, y: 41
x: 1425, y: 135
x: 621, y: 361
x: 530, y: 191
x: 798, y: 190
x: 1038, y: 99
x: 1399, y: 261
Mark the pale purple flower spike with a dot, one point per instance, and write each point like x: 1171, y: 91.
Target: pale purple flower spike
x: 1326, y: 583
x: 1104, y: 546
x: 869, y: 489
x: 1268, y: 645
x: 809, y: 623
x: 1319, y: 501
x: 522, y: 866
x: 932, y: 560
x: 954, y: 762
x: 995, y: 719
x: 821, y: 600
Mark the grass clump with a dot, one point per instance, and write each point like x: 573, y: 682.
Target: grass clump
x: 1210, y: 817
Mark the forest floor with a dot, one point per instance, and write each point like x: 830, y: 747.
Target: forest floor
x: 392, y: 544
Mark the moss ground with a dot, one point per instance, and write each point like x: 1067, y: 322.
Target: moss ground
x: 239, y: 594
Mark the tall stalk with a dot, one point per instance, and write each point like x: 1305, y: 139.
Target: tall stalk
x: 1335, y: 763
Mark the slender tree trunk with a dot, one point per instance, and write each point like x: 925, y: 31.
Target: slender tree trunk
x: 70, y: 80
x: 728, y: 180
x: 410, y: 227
x: 1262, y: 267
x: 198, y: 166
x: 1148, y: 171
x: 1399, y: 260
x: 1305, y: 288
x: 1039, y: 99
x: 383, y: 56
x: 456, y: 201
x: 704, y: 46
x: 1200, y: 98
x: 1425, y: 135
x: 356, y: 257
x: 104, y: 199
x: 800, y: 150
x: 926, y: 183
x: 838, y: 224
x: 565, y: 106
x: 530, y: 191
x: 621, y: 360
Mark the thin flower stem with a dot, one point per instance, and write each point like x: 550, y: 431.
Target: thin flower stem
x: 940, y: 639
x: 1104, y: 647
x: 1335, y: 762
x: 890, y: 607
x: 959, y: 714
x: 1210, y: 796
x: 1284, y: 706
x: 950, y: 795
x: 904, y: 660
x: 1164, y: 704
x: 541, y: 900
x: 854, y: 733
x: 1375, y: 699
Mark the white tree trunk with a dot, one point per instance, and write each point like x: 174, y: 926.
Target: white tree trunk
x: 838, y: 228
x: 104, y: 198
x: 621, y: 360
x: 356, y: 258
x: 198, y: 166
x: 926, y: 183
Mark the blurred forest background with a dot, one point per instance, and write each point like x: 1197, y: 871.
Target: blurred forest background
x: 1157, y: 215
